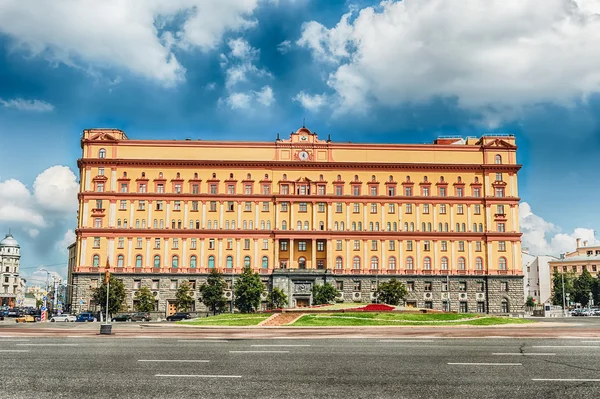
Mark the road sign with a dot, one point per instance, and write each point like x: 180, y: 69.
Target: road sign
x: 44, y: 308
x: 81, y: 301
x: 45, y: 298
x: 45, y: 293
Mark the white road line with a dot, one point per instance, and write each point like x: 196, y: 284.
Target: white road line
x: 405, y: 340
x: 14, y: 340
x: 173, y: 361
x: 259, y: 351
x: 14, y: 350
x: 567, y: 346
x: 524, y: 354
x: 198, y: 375
x: 47, y: 344
x: 278, y: 345
x: 207, y: 341
x: 486, y: 364
x: 568, y: 379
x: 590, y: 342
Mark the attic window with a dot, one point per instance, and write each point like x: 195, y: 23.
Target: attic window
x: 266, y: 176
x: 178, y: 175
x: 160, y: 174
x: 124, y: 174
x: 391, y: 178
x: 339, y: 177
x: 355, y: 177
x: 284, y: 176
x: 248, y: 176
x: 476, y: 179
x: 214, y: 175
x: 459, y: 179
x: 195, y: 175
x: 407, y: 178
x: 231, y: 175
x: 102, y: 153
x: 498, y: 159
x: 441, y: 179
x: 321, y: 177
x: 143, y: 174
x: 425, y: 178
x: 373, y: 178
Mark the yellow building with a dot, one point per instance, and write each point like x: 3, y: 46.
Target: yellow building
x: 585, y: 257
x: 442, y: 217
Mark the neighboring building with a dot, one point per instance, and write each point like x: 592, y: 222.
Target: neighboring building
x: 537, y: 281
x: 583, y: 258
x: 10, y: 258
x: 72, y: 298
x: 301, y: 211
x: 37, y: 292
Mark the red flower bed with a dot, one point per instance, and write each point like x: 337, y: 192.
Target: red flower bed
x: 374, y: 307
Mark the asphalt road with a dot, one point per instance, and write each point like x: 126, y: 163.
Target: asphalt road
x: 108, y: 367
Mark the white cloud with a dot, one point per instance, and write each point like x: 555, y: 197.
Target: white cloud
x: 502, y: 54
x: 312, y: 103
x: 33, y: 232
x: 17, y: 204
x: 136, y: 35
x: 56, y: 189
x: 68, y: 239
x: 545, y: 238
x: 239, y: 63
x: 284, y: 46
x: 265, y: 96
x: 27, y: 105
x: 238, y: 101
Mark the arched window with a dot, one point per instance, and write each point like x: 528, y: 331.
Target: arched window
x: 268, y: 224
x: 446, y: 227
x: 214, y: 175
x: 475, y: 227
x: 179, y: 224
x: 245, y: 224
x: 464, y: 227
x: 96, y: 261
x: 143, y: 223
x: 481, y: 227
x: 370, y: 226
x: 265, y: 262
x: 306, y: 225
x: 118, y: 222
x: 339, y: 263
x: 248, y: 176
x: 251, y: 225
x: 335, y: 226
x: 376, y: 226
x: 395, y: 226
x: 120, y: 260
x: 227, y: 225
x: 427, y: 263
x: 374, y: 263
x: 299, y: 225
x: 138, y: 261
x: 407, y: 178
x: 457, y: 227
x: 233, y: 225
x: 342, y: 226
x: 478, y: 263
x: 137, y: 223
x: 388, y: 226
x: 339, y: 177
x: 392, y: 263
x: 172, y: 223
x: 355, y: 177
x: 356, y: 263
x: 302, y: 262
x: 155, y: 224
x: 231, y: 175
x: 156, y: 260
x: 373, y: 178
x: 175, y: 261
x: 505, y: 306
x: 211, y: 261
x: 284, y: 225
x: 229, y: 262
x: 262, y: 224
x: 162, y: 224
x: 440, y: 227
x: 353, y: 226
x: 405, y: 226
x: 423, y: 227
x: 412, y: 226
x: 102, y: 153
x: 391, y: 178
x: 160, y: 175
x: 444, y: 263
x: 409, y: 263
x: 321, y: 177
x: 429, y: 226
x: 246, y: 261
x: 193, y: 261
x: 461, y: 263
x: 502, y: 263
x: 498, y: 159
x: 195, y: 175
x: 359, y: 226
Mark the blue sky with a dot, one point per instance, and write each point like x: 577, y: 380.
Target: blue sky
x: 404, y: 72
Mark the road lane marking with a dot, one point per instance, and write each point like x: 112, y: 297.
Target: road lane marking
x: 15, y: 350
x: 207, y: 341
x: 567, y: 346
x: 590, y: 342
x: 278, y: 345
x: 14, y: 340
x: 405, y: 340
x: 568, y: 379
x: 47, y: 344
x: 524, y: 354
x: 259, y: 351
x: 198, y: 375
x: 486, y: 364
x: 174, y: 361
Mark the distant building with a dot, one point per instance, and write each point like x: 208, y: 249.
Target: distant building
x: 71, y: 301
x: 537, y: 278
x: 12, y: 284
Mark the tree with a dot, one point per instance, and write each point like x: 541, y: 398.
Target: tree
x: 38, y: 303
x: 583, y: 285
x: 530, y: 303
x: 323, y: 294
x: 248, y: 289
x: 557, y: 287
x: 183, y: 297
x: 116, y: 296
x: 391, y: 292
x: 212, y: 292
x: 277, y: 299
x: 145, y: 300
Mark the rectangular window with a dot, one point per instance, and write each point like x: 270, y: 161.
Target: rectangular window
x: 138, y: 244
x: 425, y: 209
x: 477, y: 192
x: 97, y: 223
x: 283, y: 245
x: 461, y: 246
x: 142, y: 188
x: 391, y: 191
x: 177, y: 188
x: 408, y: 191
x: 123, y: 205
x: 247, y: 243
x: 194, y: 206
x: 477, y: 246
x: 460, y: 209
x: 480, y: 286
x: 391, y: 208
x: 98, y: 204
x: 96, y: 242
x: 502, y: 246
x: 247, y: 189
x: 459, y: 192
x: 302, y: 207
x: 498, y: 176
x: 373, y: 245
x: 230, y: 189
x: 374, y: 285
x: 301, y: 246
x: 321, y: 208
x: 124, y: 187
x: 230, y: 206
x: 339, y: 207
x: 339, y: 285
x: 425, y: 191
x: 160, y: 188
x: 427, y: 246
x: 409, y: 208
x: 500, y: 209
x: 173, y: 285
x: 175, y: 243
x: 265, y: 207
x: 248, y: 207
x: 121, y: 242
x: 157, y: 243
x: 442, y: 209
x: 211, y: 243
x: 356, y: 285
x: 503, y: 286
x: 266, y: 189
x: 213, y: 189
x: 373, y: 190
x: 339, y: 190
x: 356, y: 245
x: 409, y: 245
x: 338, y: 245
x: 356, y: 208
x: 137, y: 284
x: 462, y: 286
x: 501, y: 227
x: 444, y: 286
x: 427, y: 286
x: 155, y: 284
x: 193, y: 243
x: 195, y: 189
x: 212, y: 206
x: 373, y: 208
x: 177, y: 205
x: 320, y: 190
x: 410, y: 286
x: 442, y: 191
x: 229, y: 244
x: 444, y: 246
x: 477, y: 209
x: 320, y: 246
x: 392, y: 245
x: 355, y: 190
x: 499, y: 192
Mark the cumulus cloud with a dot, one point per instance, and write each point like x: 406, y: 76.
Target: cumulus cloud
x: 284, y: 46
x: 56, y: 189
x: 244, y: 100
x: 68, y: 239
x: 139, y: 36
x: 545, y: 238
x: 265, y: 96
x: 493, y: 54
x: 238, y: 101
x: 27, y: 105
x: 312, y: 103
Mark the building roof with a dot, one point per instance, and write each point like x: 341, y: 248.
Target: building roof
x: 580, y: 258
x: 9, y: 241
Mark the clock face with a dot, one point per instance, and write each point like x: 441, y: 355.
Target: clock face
x: 303, y: 155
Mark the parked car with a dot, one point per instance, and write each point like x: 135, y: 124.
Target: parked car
x: 85, y: 317
x: 141, y: 316
x: 14, y: 312
x: 25, y: 319
x: 122, y: 317
x: 63, y: 317
x: 179, y: 316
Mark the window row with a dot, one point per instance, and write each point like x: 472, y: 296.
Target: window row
x: 175, y: 261
x: 410, y: 263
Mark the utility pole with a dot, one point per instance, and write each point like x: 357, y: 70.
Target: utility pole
x: 448, y: 288
x: 232, y: 290
x: 562, y: 276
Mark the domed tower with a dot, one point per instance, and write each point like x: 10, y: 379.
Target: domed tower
x: 10, y: 256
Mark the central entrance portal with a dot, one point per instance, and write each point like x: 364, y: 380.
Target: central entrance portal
x: 302, y: 303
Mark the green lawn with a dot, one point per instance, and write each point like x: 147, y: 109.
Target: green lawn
x: 228, y: 320
x: 396, y: 319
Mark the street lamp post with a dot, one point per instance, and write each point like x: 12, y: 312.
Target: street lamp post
x: 562, y: 276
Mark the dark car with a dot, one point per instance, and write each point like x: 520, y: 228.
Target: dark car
x: 141, y: 316
x: 122, y: 317
x: 85, y: 317
x: 179, y: 316
x: 14, y: 312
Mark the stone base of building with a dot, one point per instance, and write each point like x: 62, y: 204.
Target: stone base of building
x: 457, y: 293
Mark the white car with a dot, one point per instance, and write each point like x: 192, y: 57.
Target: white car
x: 63, y: 317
